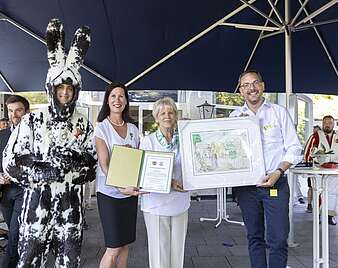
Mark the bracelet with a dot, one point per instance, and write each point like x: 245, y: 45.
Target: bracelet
x: 281, y: 171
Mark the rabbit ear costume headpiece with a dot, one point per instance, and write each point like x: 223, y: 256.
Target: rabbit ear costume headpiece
x: 64, y: 69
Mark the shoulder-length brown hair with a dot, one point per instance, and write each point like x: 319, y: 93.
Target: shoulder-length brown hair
x: 105, y: 111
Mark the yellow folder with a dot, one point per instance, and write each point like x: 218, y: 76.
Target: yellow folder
x: 124, y: 167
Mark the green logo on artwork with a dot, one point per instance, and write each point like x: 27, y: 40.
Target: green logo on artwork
x: 196, y: 138
x: 231, y: 150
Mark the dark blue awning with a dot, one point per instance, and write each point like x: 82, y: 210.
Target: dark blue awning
x: 129, y: 36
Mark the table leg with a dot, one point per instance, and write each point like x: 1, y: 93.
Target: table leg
x: 319, y: 178
x: 291, y: 180
x: 218, y: 208
x: 225, y: 215
x: 325, y: 224
x: 316, y: 186
x: 221, y: 207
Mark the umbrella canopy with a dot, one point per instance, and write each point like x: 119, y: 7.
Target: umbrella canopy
x: 189, y: 45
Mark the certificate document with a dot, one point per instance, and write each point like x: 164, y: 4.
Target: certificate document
x: 149, y: 170
x: 157, y: 171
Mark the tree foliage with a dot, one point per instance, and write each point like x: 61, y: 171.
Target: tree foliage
x: 35, y: 97
x: 317, y: 97
x: 229, y: 99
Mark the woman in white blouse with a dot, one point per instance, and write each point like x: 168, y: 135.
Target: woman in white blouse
x: 166, y: 215
x: 117, y: 207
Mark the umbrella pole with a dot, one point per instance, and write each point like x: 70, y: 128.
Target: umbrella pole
x: 288, y: 56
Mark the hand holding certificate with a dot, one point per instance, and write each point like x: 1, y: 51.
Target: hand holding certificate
x: 150, y: 171
x: 175, y: 185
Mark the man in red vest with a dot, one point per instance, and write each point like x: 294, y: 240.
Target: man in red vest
x: 326, y: 140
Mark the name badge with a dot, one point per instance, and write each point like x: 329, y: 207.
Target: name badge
x: 273, y: 192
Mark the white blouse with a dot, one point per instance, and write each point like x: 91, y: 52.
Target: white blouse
x: 106, y: 132
x: 175, y: 202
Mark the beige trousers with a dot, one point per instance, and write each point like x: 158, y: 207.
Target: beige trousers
x: 166, y: 239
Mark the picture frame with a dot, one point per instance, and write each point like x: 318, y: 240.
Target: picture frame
x: 224, y: 152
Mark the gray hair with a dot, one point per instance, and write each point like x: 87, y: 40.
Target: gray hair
x: 250, y: 71
x: 159, y: 104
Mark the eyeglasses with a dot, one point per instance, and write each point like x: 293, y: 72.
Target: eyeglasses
x: 254, y: 84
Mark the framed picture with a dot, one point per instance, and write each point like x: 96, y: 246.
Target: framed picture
x: 222, y: 152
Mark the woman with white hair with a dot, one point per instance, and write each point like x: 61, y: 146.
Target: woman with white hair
x: 166, y: 215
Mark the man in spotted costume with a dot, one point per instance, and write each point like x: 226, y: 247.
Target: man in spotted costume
x: 50, y: 154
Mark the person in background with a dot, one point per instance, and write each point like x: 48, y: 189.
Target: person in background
x: 87, y: 203
x: 4, y: 123
x: 309, y: 207
x: 12, y: 193
x: 265, y: 207
x: 88, y: 197
x: 299, y: 195
x: 326, y: 140
x: 117, y: 206
x: 316, y: 128
x: 166, y: 215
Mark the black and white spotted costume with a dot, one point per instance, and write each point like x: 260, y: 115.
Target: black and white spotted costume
x: 51, y: 155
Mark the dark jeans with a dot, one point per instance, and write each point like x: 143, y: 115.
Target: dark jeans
x: 260, y: 211
x: 11, y: 206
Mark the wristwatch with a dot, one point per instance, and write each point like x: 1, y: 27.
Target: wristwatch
x: 281, y: 171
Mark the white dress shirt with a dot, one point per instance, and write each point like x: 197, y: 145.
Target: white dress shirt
x: 279, y: 138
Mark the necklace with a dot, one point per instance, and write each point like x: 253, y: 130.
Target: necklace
x: 116, y: 124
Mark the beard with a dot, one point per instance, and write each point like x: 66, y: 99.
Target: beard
x: 327, y: 130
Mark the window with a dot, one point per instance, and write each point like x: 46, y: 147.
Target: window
x: 304, y: 118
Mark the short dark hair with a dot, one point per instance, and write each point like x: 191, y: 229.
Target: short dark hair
x: 328, y: 117
x: 18, y: 98
x: 3, y: 119
x: 250, y: 71
x: 105, y: 110
x: 316, y: 126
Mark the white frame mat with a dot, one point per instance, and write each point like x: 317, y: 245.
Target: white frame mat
x: 222, y: 152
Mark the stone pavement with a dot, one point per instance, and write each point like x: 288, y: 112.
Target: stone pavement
x: 207, y: 246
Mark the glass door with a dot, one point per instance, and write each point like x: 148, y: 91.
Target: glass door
x: 304, y: 117
x: 146, y: 122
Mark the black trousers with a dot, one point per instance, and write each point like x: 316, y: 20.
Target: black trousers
x: 11, y: 207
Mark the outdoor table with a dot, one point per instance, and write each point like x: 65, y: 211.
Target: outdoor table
x: 221, y: 209
x: 319, y: 185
